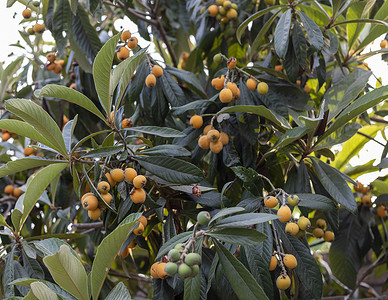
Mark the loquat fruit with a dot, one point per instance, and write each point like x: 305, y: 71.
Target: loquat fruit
x: 217, y: 58
x: 143, y: 220
x: 304, y: 223
x: 251, y: 84
x: 103, y: 187
x: 171, y: 268
x: 232, y: 62
x: 130, y: 174
x: 139, y: 230
x: 132, y: 244
x: 26, y: 13
x: 293, y: 200
x: 284, y: 213
x: 318, y: 233
x: 65, y: 120
x: 150, y: 81
x: 227, y: 4
x: 216, y: 147
x: 126, y: 123
x: 321, y: 223
x: 366, y: 200
x: 218, y: 82
x: 192, y: 259
x: 86, y: 195
x: 73, y: 86
x: 292, y: 229
x: 28, y: 151
x: 112, y: 183
x: 138, y: 196
x: 174, y: 255
x: 289, y: 261
x: 185, y: 55
x: 232, y: 14
x: 262, y: 88
x: 328, y: 236
x: 196, y: 121
x: 9, y: 189
x: 306, y: 88
x: 358, y: 187
x: 139, y: 181
x: 122, y: 53
x: 203, y: 142
x: 184, y: 271
x: 270, y: 201
x: 157, y: 71
x: 57, y: 68
x: 132, y: 42
x: 17, y: 192
x: 94, y: 214
x: 279, y: 68
x: 50, y: 66
x: 51, y: 57
x: 224, y: 138
x: 273, y: 263
x: 213, y: 135
x: 203, y: 218
x: 206, y: 129
x: 5, y: 136
x: 384, y: 44
x: 108, y: 198
x: 381, y: 210
x: 212, y: 10
x: 233, y: 87
x: 220, y: 2
x: 224, y: 20
x: 283, y: 282
x: 117, y: 174
x: 226, y: 95
x: 90, y: 203
x: 125, y: 253
x: 160, y: 271
x: 125, y: 35
x: 39, y: 28
x: 154, y: 274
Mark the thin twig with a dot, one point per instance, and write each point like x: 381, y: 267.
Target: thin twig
x: 371, y: 138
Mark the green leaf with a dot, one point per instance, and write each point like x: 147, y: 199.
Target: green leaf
x: 104, y: 151
x: 242, y: 282
x: 37, y: 117
x: 58, y: 290
x: 41, y: 291
x: 107, y: 252
x: 316, y: 201
x: 356, y: 171
x: 226, y: 212
x: 71, y: 95
x: 290, y: 136
x: 170, y: 244
x: 373, y: 21
x: 249, y: 177
x: 67, y: 236
x: 172, y: 91
x: 299, y: 43
x: 357, y: 107
x: 23, y: 129
x: 159, y: 131
x: 314, y: 33
x: 35, y: 187
x: 282, y: 34
x: 241, y: 28
x: 169, y: 150
x: 339, y: 136
x: 198, y: 104
x: 74, y: 6
x: 9, y: 269
x: 239, y: 236
x: 7, y: 75
x: 120, y: 292
x: 26, y: 163
x: 171, y: 169
x: 243, y: 220
x: 80, y: 56
x: 258, y: 110
x: 68, y: 272
x: 51, y: 246
x: 102, y: 67
x: 334, y: 184
x: 61, y: 24
x: 189, y: 78
x: 379, y: 187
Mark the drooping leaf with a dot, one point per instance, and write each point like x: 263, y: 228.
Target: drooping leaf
x: 8, y: 74
x: 61, y: 24
x: 243, y: 220
x: 169, y: 150
x: 198, y: 104
x: 42, y: 292
x: 189, y: 78
x: 104, y: 151
x: 282, y: 34
x: 225, y: 212
x: 239, y: 236
x: 170, y: 244
x: 316, y: 201
x: 159, y: 131
x: 290, y: 136
x: 120, y: 292
x: 339, y: 136
x: 314, y: 33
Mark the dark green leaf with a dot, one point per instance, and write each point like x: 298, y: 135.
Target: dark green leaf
x: 104, y: 151
x: 198, y: 104
x: 169, y: 150
x: 120, y: 292
x: 243, y: 220
x: 316, y: 201
x: 190, y: 79
x: 61, y: 24
x: 282, y: 34
x: 159, y: 131
x: 170, y: 244
x: 299, y: 43
x: 239, y: 236
x: 314, y: 33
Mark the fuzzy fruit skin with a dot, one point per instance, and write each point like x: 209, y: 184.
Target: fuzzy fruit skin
x: 203, y: 142
x: 224, y: 138
x: 57, y: 68
x: 270, y: 201
x: 262, y: 88
x: 108, y: 198
x: 171, y: 268
x: 304, y: 223
x: 318, y: 233
x: 143, y: 220
x: 26, y: 14
x: 217, y: 58
x: 153, y: 270
x: 130, y: 174
x: 293, y: 200
x: 117, y: 175
x: 358, y: 187
x: 226, y: 95
x: 218, y: 83
x: 196, y: 121
x: 103, y: 187
x: 279, y: 68
x: 179, y: 247
x: 39, y: 28
x: 384, y: 44
x: 138, y: 196
x: 123, y: 53
x: 206, y: 129
x: 216, y: 147
x: 94, y: 214
x: 367, y: 200
x: 203, y: 217
x: 132, y: 43
x: 126, y: 123
x: 321, y: 223
x: 28, y: 151
x: 381, y: 210
x: 9, y: 189
x: 194, y: 270
x: 290, y: 261
x: 160, y: 271
x: 110, y: 179
x: 86, y: 195
x: 5, y: 136
x: 150, y: 81
x: 232, y: 14
x: 157, y: 71
x: 51, y: 57
x: 90, y: 203
x: 184, y: 271
x: 17, y: 192
x: 328, y: 236
x: 292, y: 229
x: 139, y: 230
x: 193, y: 259
x: 213, y: 10
x: 273, y: 263
x: 126, y: 35
x: 251, y: 84
x: 173, y: 255
x: 284, y: 213
x: 213, y: 135
x: 139, y: 181
x: 283, y: 282
x: 232, y: 62
x: 233, y: 87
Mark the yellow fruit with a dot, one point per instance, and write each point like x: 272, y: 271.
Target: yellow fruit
x: 153, y: 270
x: 318, y: 233
x: 126, y: 123
x: 224, y: 20
x: 218, y: 82
x: 17, y: 192
x: 289, y: 261
x: 130, y: 174
x: 224, y: 138
x: 262, y: 88
x: 279, y: 68
x: 38, y: 28
x: 284, y: 213
x: 220, y: 2
x: 222, y: 11
x: 86, y: 195
x: 321, y: 223
x: 237, y: 96
x: 8, y: 189
x: 292, y: 229
x: 227, y: 4
x: 328, y: 236
x: 57, y: 68
x: 216, y: 147
x: 196, y: 121
x: 381, y: 211
x: 270, y: 201
x: 125, y: 253
x: 138, y: 196
x: 139, y: 230
x: 150, y: 81
x: 293, y: 200
x: 108, y: 198
x: 358, y: 187
x: 213, y: 10
x: 367, y: 200
x: 132, y: 43
x: 5, y: 136
x: 139, y: 181
x: 117, y: 175
x: 143, y: 220
x: 185, y: 55
x: 233, y: 87
x: 206, y: 129
x: 94, y: 214
x: 364, y: 190
x: 273, y: 263
x: 28, y: 151
x: 157, y: 71
x: 103, y: 187
x: 213, y: 135
x: 306, y: 88
x: 112, y: 183
x: 232, y: 14
x: 283, y: 282
x: 251, y: 84
x: 304, y: 223
x: 123, y: 53
x: 90, y: 203
x: 203, y: 142
x: 226, y: 95
x: 160, y: 271
x: 125, y: 35
x: 384, y: 44
x: 232, y: 62
x: 50, y: 67
x: 26, y: 13
x: 51, y: 57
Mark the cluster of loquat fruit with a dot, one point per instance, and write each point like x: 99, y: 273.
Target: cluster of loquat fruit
x: 283, y: 281
x: 211, y: 137
x: 130, y: 44
x: 224, y: 11
x: 26, y: 13
x: 138, y: 195
x: 6, y: 135
x: 366, y: 198
x: 52, y: 64
x: 156, y: 71
x: 142, y: 223
x: 12, y: 190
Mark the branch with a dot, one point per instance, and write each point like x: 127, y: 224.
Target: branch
x: 87, y: 225
x: 371, y: 138
x: 129, y: 276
